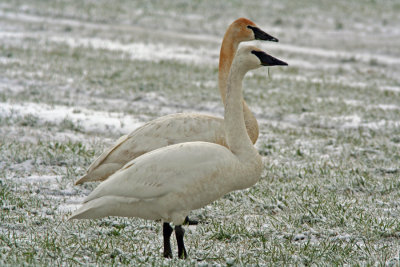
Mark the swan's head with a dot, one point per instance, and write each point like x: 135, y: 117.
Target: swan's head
x: 251, y: 57
x: 245, y: 30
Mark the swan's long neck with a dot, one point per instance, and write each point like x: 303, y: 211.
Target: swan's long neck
x: 235, y: 129
x: 227, y: 53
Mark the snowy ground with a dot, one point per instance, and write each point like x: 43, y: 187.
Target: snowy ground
x: 75, y: 75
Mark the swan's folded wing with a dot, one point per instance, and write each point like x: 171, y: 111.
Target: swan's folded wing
x: 105, y: 154
x: 144, y: 130
x: 164, y: 171
x: 164, y: 131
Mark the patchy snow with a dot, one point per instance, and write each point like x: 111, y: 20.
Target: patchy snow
x: 88, y: 120
x: 7, y: 85
x: 71, y: 203
x: 344, y: 237
x: 101, y: 26
x: 358, y: 103
x: 49, y: 187
x: 182, y: 53
x: 301, y: 63
x: 137, y: 51
x: 33, y: 135
x: 19, y: 35
x: 352, y: 102
x: 381, y: 124
x: 388, y: 107
x: 352, y: 121
x: 25, y: 166
x: 355, y: 121
x: 395, y: 89
x: 8, y: 60
x: 327, y: 80
x: 34, y: 179
x: 326, y: 53
x: 144, y: 51
x: 208, y: 84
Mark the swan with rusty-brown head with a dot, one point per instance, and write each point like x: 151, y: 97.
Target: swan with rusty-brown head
x: 167, y: 183
x: 182, y: 127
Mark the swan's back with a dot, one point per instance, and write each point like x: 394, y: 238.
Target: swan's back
x: 162, y: 132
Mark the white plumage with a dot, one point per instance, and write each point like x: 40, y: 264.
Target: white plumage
x: 180, y: 128
x: 169, y: 182
x: 166, y: 183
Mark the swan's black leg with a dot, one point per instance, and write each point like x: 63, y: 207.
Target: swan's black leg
x: 190, y: 222
x: 167, y: 231
x: 180, y: 232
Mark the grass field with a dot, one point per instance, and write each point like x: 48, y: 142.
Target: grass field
x: 75, y: 75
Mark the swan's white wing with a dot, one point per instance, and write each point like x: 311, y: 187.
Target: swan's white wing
x: 110, y: 150
x: 168, y: 170
x: 164, y: 131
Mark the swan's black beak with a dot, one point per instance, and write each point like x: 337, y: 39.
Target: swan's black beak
x: 261, y: 35
x: 267, y: 60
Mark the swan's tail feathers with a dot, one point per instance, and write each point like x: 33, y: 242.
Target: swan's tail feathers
x: 100, y: 173
x: 108, y: 206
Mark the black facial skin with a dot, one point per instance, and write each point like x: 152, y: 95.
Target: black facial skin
x: 261, y: 35
x: 267, y: 60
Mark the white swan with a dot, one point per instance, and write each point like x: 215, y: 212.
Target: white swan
x: 169, y: 182
x: 179, y: 128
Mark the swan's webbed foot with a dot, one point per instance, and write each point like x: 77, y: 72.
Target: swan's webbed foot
x: 179, y: 233
x: 167, y: 231
x: 190, y: 222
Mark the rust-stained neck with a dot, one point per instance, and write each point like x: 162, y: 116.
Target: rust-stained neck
x: 228, y: 50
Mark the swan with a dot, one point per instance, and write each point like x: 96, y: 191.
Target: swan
x: 181, y: 127
x: 167, y: 183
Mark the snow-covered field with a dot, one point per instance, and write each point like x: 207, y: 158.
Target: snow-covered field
x: 76, y: 75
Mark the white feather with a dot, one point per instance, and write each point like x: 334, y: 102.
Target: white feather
x: 169, y: 182
x: 178, y: 128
